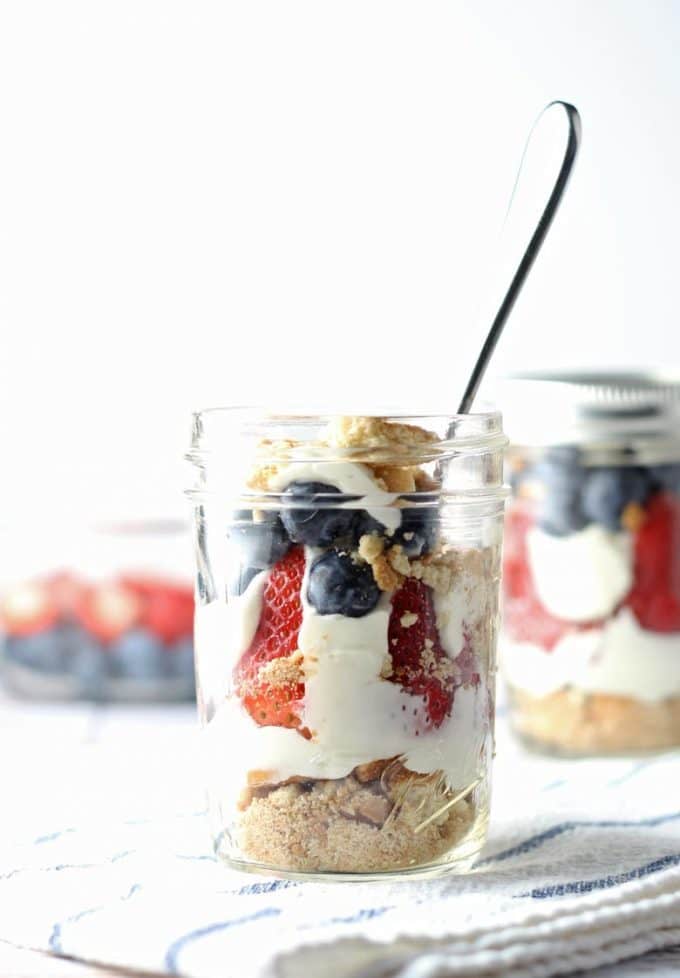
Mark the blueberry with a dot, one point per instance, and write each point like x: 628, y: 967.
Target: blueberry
x: 560, y: 513
x: 42, y: 651
x: 608, y: 490
x: 665, y: 477
x: 240, y: 581
x: 417, y: 531
x: 263, y: 541
x: 86, y: 660
x: 560, y: 469
x: 137, y: 655
x: 180, y: 659
x: 316, y: 525
x: 338, y: 586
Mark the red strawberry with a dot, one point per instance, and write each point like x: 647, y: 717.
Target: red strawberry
x: 655, y: 596
x: 419, y: 663
x: 28, y: 609
x: 525, y: 619
x: 66, y: 591
x: 168, y: 610
x: 275, y: 704
x: 107, y: 611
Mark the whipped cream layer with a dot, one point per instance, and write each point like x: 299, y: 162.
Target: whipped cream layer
x: 356, y: 716
x: 619, y: 659
x: 583, y: 576
x: 352, y: 479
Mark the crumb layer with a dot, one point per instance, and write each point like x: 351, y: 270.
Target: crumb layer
x: 572, y: 722
x: 365, y: 822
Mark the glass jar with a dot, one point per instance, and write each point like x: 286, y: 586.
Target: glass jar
x: 101, y: 612
x: 348, y: 577
x: 590, y: 644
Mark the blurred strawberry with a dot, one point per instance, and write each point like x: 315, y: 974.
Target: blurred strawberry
x: 108, y: 610
x: 525, y: 619
x: 655, y: 596
x: 28, y: 609
x: 168, y: 611
x: 66, y: 590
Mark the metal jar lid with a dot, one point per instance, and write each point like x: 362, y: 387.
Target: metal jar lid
x: 638, y: 410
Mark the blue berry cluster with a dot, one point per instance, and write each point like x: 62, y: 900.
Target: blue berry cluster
x: 575, y: 495
x: 68, y: 650
x: 336, y: 583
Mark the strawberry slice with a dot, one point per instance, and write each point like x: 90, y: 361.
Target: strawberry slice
x: 28, y: 609
x: 275, y: 703
x: 419, y: 663
x: 168, y: 611
x: 107, y: 611
x: 525, y: 619
x: 655, y: 596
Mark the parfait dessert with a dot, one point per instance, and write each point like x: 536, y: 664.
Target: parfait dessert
x: 591, y: 613
x: 345, y: 640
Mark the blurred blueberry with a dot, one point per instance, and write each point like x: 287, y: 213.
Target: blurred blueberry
x: 665, y: 477
x: 137, y: 655
x: 179, y: 659
x: 86, y: 659
x: 263, y: 541
x: 240, y: 581
x: 608, y: 490
x: 316, y: 525
x: 559, y: 468
x: 339, y: 586
x: 41, y: 651
x: 417, y: 531
x: 560, y: 513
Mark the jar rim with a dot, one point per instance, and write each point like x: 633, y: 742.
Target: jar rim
x: 482, y: 430
x: 590, y: 406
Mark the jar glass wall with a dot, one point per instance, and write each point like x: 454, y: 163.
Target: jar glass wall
x: 348, y: 575
x: 590, y: 643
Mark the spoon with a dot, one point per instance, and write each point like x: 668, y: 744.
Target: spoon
x: 553, y: 118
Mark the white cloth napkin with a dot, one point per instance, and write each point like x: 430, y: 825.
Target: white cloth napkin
x: 582, y: 869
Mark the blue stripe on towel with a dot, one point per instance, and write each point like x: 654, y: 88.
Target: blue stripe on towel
x: 54, y: 942
x: 535, y: 841
x: 587, y: 886
x: 268, y: 886
x: 175, y: 949
x: 367, y: 913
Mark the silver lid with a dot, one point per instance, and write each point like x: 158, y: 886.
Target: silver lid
x: 640, y: 410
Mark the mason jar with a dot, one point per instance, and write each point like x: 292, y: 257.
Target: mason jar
x: 347, y: 588
x: 590, y: 646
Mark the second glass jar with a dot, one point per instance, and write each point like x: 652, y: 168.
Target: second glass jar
x: 591, y: 623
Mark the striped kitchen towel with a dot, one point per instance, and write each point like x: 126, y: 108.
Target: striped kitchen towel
x: 582, y: 870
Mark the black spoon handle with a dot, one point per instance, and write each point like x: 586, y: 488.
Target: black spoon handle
x: 532, y: 249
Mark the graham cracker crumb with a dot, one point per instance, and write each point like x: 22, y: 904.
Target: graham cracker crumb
x: 371, y: 549
x: 396, y: 478
x: 632, y: 517
x: 284, y: 671
x: 571, y: 722
x: 361, y: 432
x: 362, y: 823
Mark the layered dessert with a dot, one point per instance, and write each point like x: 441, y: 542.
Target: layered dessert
x: 346, y: 680
x: 591, y: 624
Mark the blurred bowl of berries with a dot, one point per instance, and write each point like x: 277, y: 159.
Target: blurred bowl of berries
x: 115, y: 635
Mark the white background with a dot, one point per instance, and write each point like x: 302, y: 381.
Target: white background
x: 298, y: 201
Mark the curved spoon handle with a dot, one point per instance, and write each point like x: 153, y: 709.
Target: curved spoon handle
x: 573, y: 142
